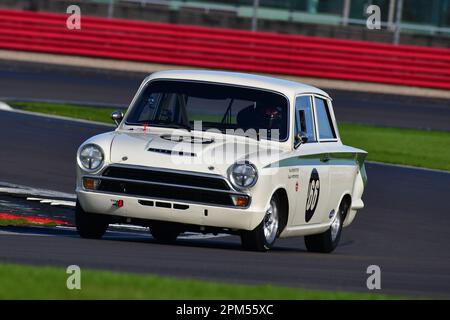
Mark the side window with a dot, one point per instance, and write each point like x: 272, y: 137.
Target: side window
x: 324, y: 122
x: 304, y: 120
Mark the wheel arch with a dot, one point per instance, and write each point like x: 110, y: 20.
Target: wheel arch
x: 284, y: 207
x: 346, y: 196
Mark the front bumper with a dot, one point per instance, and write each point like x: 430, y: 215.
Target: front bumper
x: 170, y: 211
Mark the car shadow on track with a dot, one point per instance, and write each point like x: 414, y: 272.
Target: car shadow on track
x: 224, y: 242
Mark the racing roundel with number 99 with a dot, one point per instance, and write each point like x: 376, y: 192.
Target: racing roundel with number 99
x: 313, y: 195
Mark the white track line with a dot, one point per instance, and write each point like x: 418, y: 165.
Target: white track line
x: 404, y: 166
x: 53, y: 202
x: 5, y: 107
x: 71, y: 204
x: 11, y: 188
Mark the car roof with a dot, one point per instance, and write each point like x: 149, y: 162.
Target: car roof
x: 287, y: 87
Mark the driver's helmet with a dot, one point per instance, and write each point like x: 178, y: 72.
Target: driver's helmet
x: 271, y: 116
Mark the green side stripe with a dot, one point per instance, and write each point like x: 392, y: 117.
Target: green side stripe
x: 335, y: 159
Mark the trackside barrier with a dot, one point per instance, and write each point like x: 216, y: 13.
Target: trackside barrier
x: 227, y: 49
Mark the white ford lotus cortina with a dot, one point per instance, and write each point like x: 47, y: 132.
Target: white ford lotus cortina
x: 220, y: 152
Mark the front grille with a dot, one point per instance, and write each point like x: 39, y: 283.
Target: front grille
x: 167, y: 185
x: 176, y: 193
x: 167, y: 177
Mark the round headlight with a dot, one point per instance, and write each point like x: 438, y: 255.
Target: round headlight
x: 243, y: 175
x: 91, y: 157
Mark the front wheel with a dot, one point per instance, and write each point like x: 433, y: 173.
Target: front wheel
x: 327, y: 241
x: 264, y: 235
x: 90, y: 225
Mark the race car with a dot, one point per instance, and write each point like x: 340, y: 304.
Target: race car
x: 222, y: 152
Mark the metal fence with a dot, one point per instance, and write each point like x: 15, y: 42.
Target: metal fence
x: 430, y: 17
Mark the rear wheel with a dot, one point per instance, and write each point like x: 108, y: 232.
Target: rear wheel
x: 264, y: 235
x: 90, y: 225
x: 164, y: 232
x: 327, y: 241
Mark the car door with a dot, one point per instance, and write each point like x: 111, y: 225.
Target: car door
x: 329, y: 142
x: 341, y: 163
x: 313, y: 171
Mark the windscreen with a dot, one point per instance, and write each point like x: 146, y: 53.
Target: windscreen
x: 227, y: 108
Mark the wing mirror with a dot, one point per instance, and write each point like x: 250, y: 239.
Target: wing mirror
x: 299, y: 139
x: 117, y: 117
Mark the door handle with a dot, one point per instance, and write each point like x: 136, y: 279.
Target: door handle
x: 325, y: 158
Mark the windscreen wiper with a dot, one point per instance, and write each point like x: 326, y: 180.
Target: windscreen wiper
x: 179, y: 126
x: 162, y: 125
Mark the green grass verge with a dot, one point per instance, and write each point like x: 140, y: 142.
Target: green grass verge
x: 421, y: 148
x: 66, y: 110
x: 29, y: 282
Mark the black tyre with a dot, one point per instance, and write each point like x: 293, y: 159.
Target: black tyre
x: 263, y: 237
x: 90, y: 225
x: 164, y: 232
x: 327, y: 241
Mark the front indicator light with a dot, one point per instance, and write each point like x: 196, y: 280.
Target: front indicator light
x: 240, y: 201
x: 91, y: 184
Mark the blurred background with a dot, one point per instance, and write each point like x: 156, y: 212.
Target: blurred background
x: 420, y: 22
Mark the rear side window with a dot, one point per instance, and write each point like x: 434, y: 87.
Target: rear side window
x: 326, y: 130
x: 304, y: 119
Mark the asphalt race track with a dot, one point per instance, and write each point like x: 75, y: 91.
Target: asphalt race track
x: 37, y: 81
x: 403, y: 229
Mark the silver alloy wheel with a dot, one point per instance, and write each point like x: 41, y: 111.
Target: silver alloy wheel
x: 336, y: 226
x: 271, y: 222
